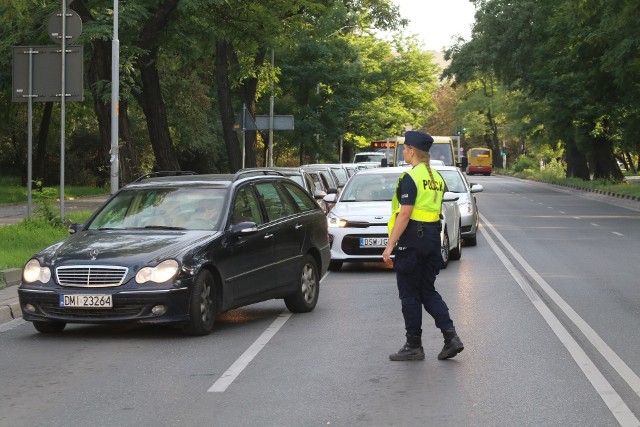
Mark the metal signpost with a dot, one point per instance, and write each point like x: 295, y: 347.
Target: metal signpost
x: 49, y: 74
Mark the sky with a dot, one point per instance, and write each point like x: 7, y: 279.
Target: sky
x: 436, y: 22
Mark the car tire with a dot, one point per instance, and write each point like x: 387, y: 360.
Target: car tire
x: 456, y: 253
x: 49, y: 327
x: 335, y: 265
x: 470, y: 241
x: 444, y: 249
x: 202, y: 307
x: 305, y: 297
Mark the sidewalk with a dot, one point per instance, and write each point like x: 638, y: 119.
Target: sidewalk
x: 10, y: 279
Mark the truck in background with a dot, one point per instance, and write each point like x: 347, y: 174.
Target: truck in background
x: 442, y: 149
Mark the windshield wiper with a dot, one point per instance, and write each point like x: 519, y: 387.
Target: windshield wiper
x: 163, y: 227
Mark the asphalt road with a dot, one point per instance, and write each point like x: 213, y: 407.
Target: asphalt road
x: 546, y: 304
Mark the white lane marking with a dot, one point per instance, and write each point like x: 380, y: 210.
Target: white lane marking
x: 243, y: 361
x: 595, y: 225
x: 617, y: 234
x: 612, y: 399
x: 576, y: 217
x: 12, y: 324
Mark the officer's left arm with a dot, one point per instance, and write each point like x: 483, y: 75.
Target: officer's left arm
x: 402, y: 220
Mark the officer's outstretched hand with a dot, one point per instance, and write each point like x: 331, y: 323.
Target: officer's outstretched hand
x: 386, y: 255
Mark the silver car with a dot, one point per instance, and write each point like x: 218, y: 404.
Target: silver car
x: 358, y: 221
x: 457, y: 183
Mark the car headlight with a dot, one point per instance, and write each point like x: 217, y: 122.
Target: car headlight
x: 335, y: 221
x: 466, y: 207
x: 158, y: 274
x: 33, y: 272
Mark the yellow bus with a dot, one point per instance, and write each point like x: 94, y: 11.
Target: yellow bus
x: 480, y: 161
x: 442, y: 149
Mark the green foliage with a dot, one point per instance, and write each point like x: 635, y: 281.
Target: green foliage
x: 19, y: 242
x: 555, y: 169
x: 523, y: 163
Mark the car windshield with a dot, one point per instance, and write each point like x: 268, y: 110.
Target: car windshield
x: 368, y: 157
x: 296, y: 178
x: 454, y: 181
x: 163, y: 208
x: 370, y: 188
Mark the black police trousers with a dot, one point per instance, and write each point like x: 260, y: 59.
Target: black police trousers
x: 416, y: 269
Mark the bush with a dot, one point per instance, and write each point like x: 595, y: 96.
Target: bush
x: 554, y: 170
x: 523, y: 163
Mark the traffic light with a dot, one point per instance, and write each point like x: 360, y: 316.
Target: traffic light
x: 460, y: 130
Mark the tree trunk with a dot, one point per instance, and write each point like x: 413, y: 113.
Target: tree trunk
x: 226, y: 105
x: 577, y: 166
x: 248, y: 93
x: 150, y: 99
x: 603, y: 163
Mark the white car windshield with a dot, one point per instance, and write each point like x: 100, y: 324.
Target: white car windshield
x: 370, y: 188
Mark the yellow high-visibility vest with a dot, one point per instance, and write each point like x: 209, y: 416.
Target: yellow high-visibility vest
x: 428, y: 204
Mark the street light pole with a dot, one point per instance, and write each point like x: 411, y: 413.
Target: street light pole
x: 115, y: 97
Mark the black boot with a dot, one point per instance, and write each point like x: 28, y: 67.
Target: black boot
x: 412, y: 350
x: 452, y: 345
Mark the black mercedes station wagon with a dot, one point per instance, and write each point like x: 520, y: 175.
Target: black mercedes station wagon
x: 179, y: 249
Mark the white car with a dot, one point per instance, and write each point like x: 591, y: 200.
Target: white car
x: 457, y: 183
x: 358, y: 221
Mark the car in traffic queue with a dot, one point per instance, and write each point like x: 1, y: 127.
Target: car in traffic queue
x: 358, y: 221
x: 470, y: 217
x: 302, y: 177
x: 181, y: 249
x: 342, y: 173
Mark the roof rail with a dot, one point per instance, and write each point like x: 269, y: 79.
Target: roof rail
x: 253, y: 172
x: 164, y: 173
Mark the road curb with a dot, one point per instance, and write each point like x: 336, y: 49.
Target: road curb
x: 10, y: 277
x: 10, y: 312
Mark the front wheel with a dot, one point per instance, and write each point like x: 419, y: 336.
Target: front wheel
x: 444, y: 249
x: 335, y: 265
x: 305, y: 297
x: 456, y: 253
x: 202, y: 307
x: 49, y: 327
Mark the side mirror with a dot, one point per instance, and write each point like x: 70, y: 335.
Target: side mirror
x: 332, y: 191
x: 330, y: 198
x: 476, y: 188
x: 383, y: 163
x: 74, y: 228
x: 243, y: 228
x: 319, y: 194
x: 450, y: 197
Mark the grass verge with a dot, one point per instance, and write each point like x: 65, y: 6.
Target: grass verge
x: 19, y: 242
x: 11, y: 191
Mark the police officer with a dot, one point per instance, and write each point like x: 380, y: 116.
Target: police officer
x: 415, y: 227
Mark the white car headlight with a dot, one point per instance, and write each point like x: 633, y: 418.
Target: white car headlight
x: 335, y: 221
x: 158, y: 274
x: 33, y: 272
x: 466, y: 207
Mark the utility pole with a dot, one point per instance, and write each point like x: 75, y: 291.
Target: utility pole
x: 115, y: 99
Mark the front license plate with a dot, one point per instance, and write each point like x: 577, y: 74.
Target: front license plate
x: 373, y: 242
x: 86, y: 301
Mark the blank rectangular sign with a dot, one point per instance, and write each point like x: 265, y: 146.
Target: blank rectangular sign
x: 47, y: 73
